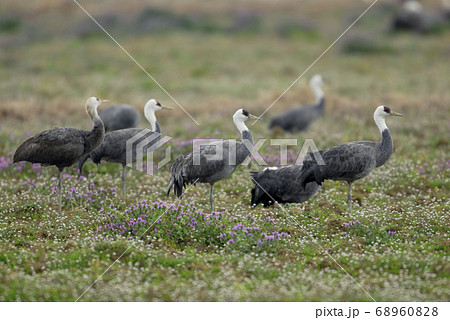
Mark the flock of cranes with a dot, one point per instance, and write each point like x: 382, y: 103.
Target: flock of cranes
x: 63, y: 147
x: 114, y: 146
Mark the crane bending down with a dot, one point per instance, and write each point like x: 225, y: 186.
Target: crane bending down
x: 354, y: 160
x: 63, y: 147
x: 120, y: 116
x: 299, y: 118
x: 280, y: 185
x: 114, y: 147
x: 202, y: 164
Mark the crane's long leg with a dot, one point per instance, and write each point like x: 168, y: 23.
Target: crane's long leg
x: 81, y: 164
x: 349, y: 196
x: 211, y: 199
x: 60, y: 170
x: 124, y: 171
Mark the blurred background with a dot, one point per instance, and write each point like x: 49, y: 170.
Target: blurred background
x: 216, y: 57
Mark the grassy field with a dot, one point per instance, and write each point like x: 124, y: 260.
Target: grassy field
x: 215, y: 58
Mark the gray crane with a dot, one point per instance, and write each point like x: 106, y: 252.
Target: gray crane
x: 63, y: 147
x: 351, y: 161
x: 214, y: 161
x: 114, y: 147
x: 299, y: 118
x: 413, y: 17
x: 280, y: 185
x: 120, y: 116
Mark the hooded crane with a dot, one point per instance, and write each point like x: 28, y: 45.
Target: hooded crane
x: 120, y: 116
x: 298, y: 119
x: 63, y: 147
x: 354, y: 160
x: 280, y: 185
x: 114, y: 147
x: 202, y: 164
x: 412, y: 17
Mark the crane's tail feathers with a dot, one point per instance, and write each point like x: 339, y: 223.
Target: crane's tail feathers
x: 21, y: 153
x: 179, y: 189
x: 170, y: 187
x: 311, y: 173
x: 81, y: 164
x: 177, y: 180
x: 307, y: 173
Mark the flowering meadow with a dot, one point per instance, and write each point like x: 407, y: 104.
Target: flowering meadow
x: 395, y: 242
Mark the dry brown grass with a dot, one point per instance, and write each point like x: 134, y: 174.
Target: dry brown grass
x: 212, y: 74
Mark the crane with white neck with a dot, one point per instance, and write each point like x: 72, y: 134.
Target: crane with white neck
x: 214, y: 161
x: 351, y: 161
x: 114, y: 147
x: 63, y: 147
x: 298, y: 119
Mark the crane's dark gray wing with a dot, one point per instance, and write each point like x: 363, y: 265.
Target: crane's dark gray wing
x: 60, y: 146
x: 288, y: 120
x: 298, y: 118
x: 350, y: 157
x: 114, y: 146
x: 281, y: 185
x: 201, y: 166
x: 349, y: 162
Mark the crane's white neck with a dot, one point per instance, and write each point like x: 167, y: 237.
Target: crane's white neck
x: 317, y: 90
x: 93, y: 114
x: 150, y: 115
x: 381, y: 123
x: 240, y: 125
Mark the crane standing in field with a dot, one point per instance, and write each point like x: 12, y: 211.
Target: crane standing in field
x: 299, y: 118
x: 120, y: 116
x: 280, y: 185
x: 62, y: 147
x: 114, y: 147
x: 202, y: 164
x: 413, y: 17
x: 354, y: 160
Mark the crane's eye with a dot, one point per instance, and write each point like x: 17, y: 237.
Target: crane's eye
x: 158, y: 104
x: 97, y: 99
x: 387, y: 110
x: 245, y: 113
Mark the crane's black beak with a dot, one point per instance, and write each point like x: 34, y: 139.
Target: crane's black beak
x: 393, y: 113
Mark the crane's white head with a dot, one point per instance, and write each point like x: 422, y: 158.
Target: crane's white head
x: 381, y: 113
x: 153, y: 105
x: 92, y: 104
x: 413, y: 6
x: 316, y: 81
x: 149, y: 111
x: 240, y: 117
